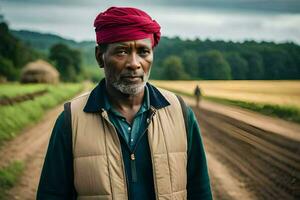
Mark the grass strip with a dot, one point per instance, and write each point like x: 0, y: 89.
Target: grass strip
x: 9, y: 176
x: 10, y: 90
x: 289, y: 113
x: 15, y: 118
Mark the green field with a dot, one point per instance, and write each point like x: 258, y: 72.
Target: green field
x: 275, y: 98
x: 17, y: 116
x: 13, y: 90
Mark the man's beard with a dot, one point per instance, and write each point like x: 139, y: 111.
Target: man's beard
x: 132, y: 89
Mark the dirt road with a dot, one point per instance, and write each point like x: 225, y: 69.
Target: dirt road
x: 265, y: 164
x: 245, y: 162
x: 260, y: 153
x: 29, y: 147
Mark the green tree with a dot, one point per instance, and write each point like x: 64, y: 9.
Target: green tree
x: 94, y: 74
x: 255, y: 65
x: 278, y: 64
x: 7, y: 69
x: 14, y: 54
x: 239, y: 66
x: 67, y: 62
x: 173, y: 69
x: 190, y: 62
x: 213, y: 66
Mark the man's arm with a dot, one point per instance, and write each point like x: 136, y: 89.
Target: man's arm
x: 198, y: 185
x: 56, y: 182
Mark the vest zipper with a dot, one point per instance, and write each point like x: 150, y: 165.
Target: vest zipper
x: 133, y: 168
x: 132, y: 154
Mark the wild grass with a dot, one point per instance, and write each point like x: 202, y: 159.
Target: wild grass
x: 289, y: 113
x: 9, y: 176
x: 15, y: 117
x: 274, y: 98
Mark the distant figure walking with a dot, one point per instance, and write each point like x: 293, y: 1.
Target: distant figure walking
x: 197, y: 93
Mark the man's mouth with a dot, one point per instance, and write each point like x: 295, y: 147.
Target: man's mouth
x: 132, y: 78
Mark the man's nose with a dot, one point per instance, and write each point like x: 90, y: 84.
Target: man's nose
x: 133, y: 61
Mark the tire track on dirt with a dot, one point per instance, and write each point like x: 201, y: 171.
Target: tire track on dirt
x: 266, y: 162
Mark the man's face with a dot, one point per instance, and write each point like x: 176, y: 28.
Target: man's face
x: 127, y: 65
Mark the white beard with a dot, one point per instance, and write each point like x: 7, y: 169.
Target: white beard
x: 131, y: 89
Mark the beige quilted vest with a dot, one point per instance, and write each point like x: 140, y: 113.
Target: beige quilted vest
x: 99, y: 171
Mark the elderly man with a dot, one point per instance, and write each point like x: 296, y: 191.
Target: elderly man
x: 126, y: 139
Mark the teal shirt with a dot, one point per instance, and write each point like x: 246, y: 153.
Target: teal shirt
x: 129, y: 132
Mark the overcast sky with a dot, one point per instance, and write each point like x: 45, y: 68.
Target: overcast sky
x: 237, y: 20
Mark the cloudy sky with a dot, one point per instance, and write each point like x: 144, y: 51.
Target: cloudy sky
x: 237, y: 20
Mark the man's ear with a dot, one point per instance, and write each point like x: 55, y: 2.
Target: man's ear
x: 99, y: 56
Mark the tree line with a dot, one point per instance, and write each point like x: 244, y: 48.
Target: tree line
x: 212, y: 60
x: 174, y: 58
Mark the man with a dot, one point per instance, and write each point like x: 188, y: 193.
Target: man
x: 198, y: 94
x: 126, y: 139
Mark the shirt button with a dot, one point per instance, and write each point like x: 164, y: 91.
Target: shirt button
x: 131, y: 140
x: 129, y: 128
x: 148, y: 120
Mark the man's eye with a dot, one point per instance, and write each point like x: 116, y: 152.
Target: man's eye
x: 121, y: 52
x: 144, y: 52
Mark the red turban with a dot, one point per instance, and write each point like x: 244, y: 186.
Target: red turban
x: 118, y: 24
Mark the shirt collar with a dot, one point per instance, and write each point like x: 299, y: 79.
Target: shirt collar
x: 96, y: 101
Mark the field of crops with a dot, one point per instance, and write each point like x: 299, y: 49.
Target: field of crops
x: 279, y: 98
x: 272, y: 92
x: 19, y: 114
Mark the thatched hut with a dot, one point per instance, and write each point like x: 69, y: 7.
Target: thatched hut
x: 39, y: 71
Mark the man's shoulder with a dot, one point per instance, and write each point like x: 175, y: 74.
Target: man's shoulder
x: 189, y: 111
x: 165, y: 92
x: 156, y: 90
x: 79, y: 101
x: 81, y: 97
